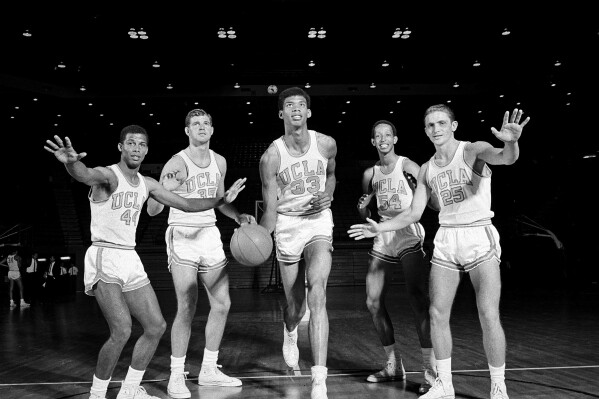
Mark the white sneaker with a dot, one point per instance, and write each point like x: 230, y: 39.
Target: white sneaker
x: 429, y: 377
x: 96, y: 396
x: 132, y: 392
x: 13, y: 304
x: 290, y: 350
x: 389, y: 373
x: 499, y: 391
x: 319, y: 386
x: 440, y: 390
x: 212, y: 376
x: 24, y: 304
x: 176, y: 386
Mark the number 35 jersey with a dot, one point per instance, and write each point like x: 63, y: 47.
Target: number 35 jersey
x: 114, y: 221
x: 464, y: 195
x: 299, y: 177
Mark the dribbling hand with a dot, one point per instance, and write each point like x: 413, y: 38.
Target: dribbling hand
x: 245, y: 218
x: 235, y: 189
x: 63, y: 151
x: 363, y: 230
x: 511, y: 128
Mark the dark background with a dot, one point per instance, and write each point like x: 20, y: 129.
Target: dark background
x: 551, y: 184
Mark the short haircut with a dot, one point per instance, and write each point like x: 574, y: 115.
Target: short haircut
x: 383, y: 122
x: 440, y: 108
x: 290, y: 92
x: 196, y: 112
x: 133, y: 129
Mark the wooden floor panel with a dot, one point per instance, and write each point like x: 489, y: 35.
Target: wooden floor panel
x: 49, y: 350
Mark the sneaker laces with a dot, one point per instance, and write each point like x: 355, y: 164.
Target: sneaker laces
x: 497, y: 391
x: 141, y: 391
x: 291, y: 338
x: 182, y: 375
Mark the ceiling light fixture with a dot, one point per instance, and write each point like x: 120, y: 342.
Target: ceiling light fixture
x: 385, y: 63
x: 27, y: 33
x: 82, y: 88
x: 236, y: 85
x: 169, y: 86
x: 61, y: 65
x: 505, y: 32
x: 476, y: 63
x: 456, y: 85
x: 372, y: 85
x: 311, y: 63
x: 307, y: 86
x: 156, y: 64
x: 557, y: 63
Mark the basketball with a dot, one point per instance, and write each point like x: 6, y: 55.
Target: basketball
x: 251, y: 244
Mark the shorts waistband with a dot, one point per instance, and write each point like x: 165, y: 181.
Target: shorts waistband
x: 111, y: 245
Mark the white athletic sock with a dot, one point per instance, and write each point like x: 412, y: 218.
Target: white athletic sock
x: 177, y: 364
x: 210, y: 358
x: 497, y: 374
x: 390, y: 350
x: 133, y: 377
x: 444, y: 370
x: 99, y: 387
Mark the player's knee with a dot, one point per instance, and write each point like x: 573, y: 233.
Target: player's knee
x: 488, y: 314
x: 121, y: 333
x: 438, y: 315
x: 222, y: 306
x: 373, y: 305
x: 156, y: 329
x: 317, y: 298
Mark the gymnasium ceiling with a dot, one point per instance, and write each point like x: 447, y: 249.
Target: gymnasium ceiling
x: 546, y: 65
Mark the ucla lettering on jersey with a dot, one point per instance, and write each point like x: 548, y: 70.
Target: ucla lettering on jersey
x: 299, y: 177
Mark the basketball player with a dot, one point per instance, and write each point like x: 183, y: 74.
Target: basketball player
x: 13, y: 262
x: 387, y: 182
x: 194, y: 248
x: 114, y: 273
x: 298, y: 180
x: 458, y: 174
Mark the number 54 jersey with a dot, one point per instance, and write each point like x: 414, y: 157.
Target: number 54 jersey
x: 114, y: 221
x: 299, y: 177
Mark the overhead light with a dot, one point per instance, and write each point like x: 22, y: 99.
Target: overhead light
x: 372, y: 85
x: 141, y: 32
x: 90, y: 104
x: 456, y: 85
x: 307, y: 86
x: 27, y: 33
x: 169, y: 86
x: 236, y: 85
x: 143, y: 37
x: 557, y: 63
x: 311, y: 63
x: 385, y: 63
x: 156, y: 64
x: 82, y: 88
x: 505, y: 32
x: 61, y: 65
x: 35, y: 99
x: 476, y: 63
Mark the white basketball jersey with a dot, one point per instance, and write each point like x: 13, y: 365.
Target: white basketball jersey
x: 114, y: 221
x: 393, y: 193
x: 299, y: 177
x: 200, y: 183
x: 464, y: 195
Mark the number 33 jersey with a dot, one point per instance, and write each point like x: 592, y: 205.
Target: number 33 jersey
x: 299, y: 177
x: 114, y: 221
x: 464, y: 195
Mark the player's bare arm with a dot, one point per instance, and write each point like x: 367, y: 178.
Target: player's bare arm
x: 510, y: 132
x: 368, y: 193
x: 327, y: 147
x: 165, y: 197
x: 229, y: 209
x: 269, y: 163
x: 172, y: 176
x: 102, y: 180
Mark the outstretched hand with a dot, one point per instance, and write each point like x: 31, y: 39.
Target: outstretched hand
x: 235, y: 189
x: 63, y: 151
x: 363, y: 230
x: 511, y: 128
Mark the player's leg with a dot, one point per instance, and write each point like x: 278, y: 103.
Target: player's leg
x: 19, y: 282
x: 11, y: 285
x: 486, y: 280
x: 416, y: 270
x: 185, y: 281
x: 378, y: 279
x: 318, y: 267
x: 143, y: 304
x: 216, y: 283
x: 443, y: 287
x: 293, y: 279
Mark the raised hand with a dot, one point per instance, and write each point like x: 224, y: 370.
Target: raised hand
x: 235, y: 189
x: 365, y: 200
x: 321, y: 200
x: 363, y: 230
x: 511, y: 128
x: 63, y: 151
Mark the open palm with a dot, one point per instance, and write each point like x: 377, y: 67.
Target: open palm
x: 63, y: 151
x: 511, y: 128
x: 235, y: 189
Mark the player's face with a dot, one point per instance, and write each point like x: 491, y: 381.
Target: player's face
x: 134, y: 149
x: 384, y: 140
x: 295, y: 111
x: 200, y: 129
x: 438, y: 127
